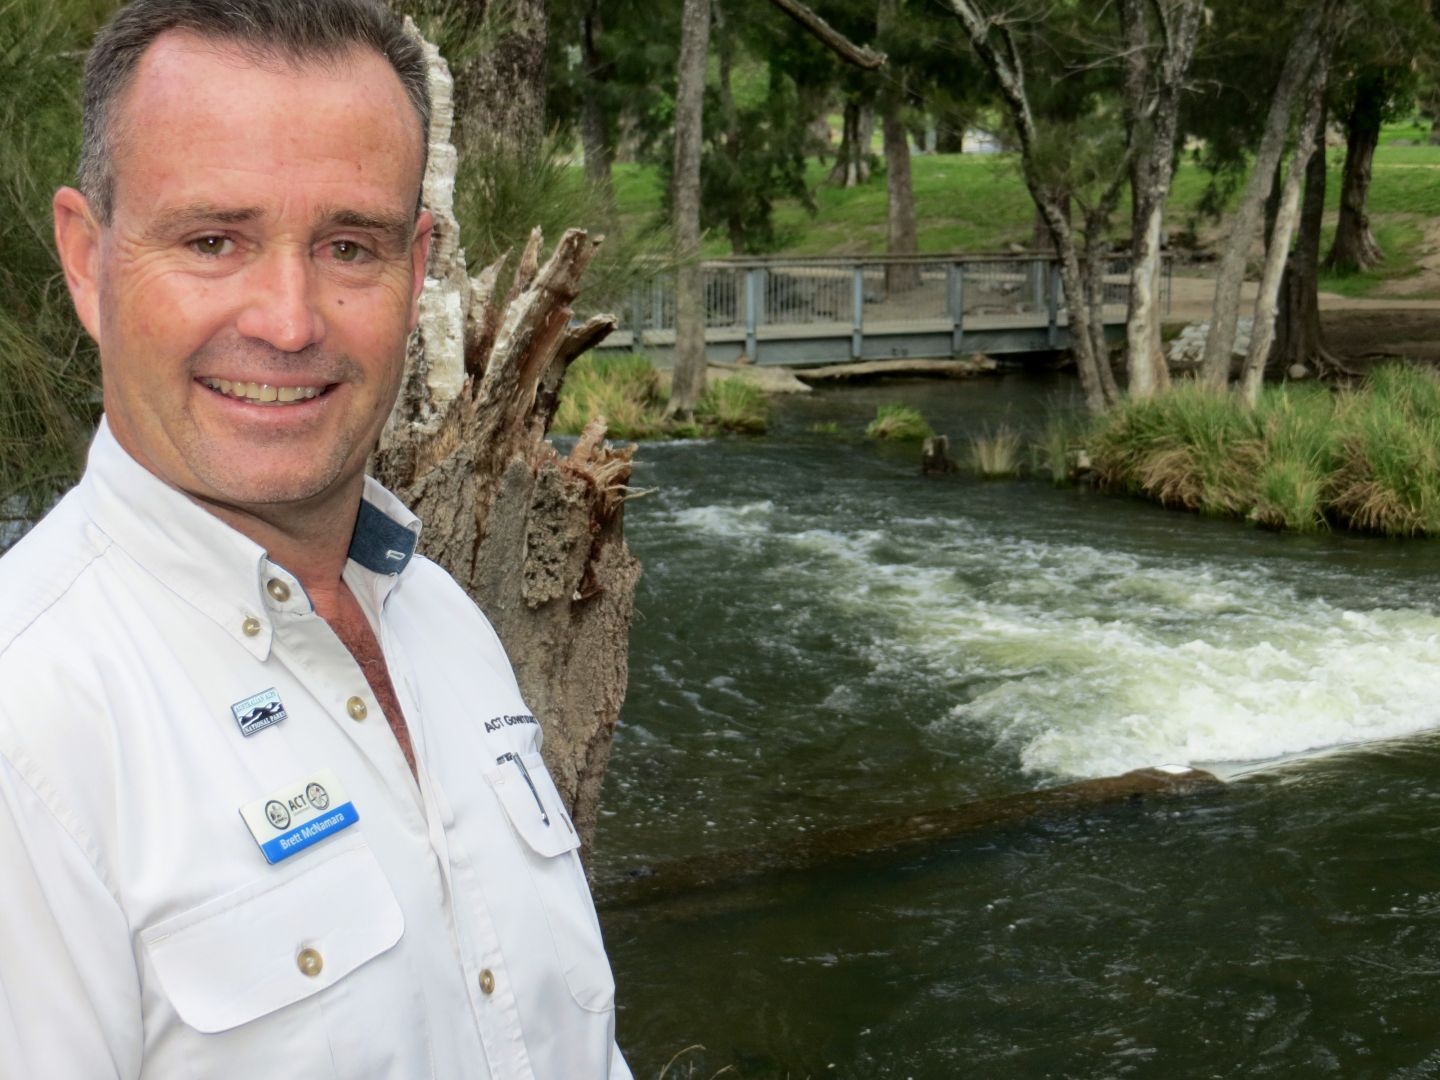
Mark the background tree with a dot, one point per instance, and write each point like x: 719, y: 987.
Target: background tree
x: 1300, y: 46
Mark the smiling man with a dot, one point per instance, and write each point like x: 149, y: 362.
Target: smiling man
x: 253, y: 818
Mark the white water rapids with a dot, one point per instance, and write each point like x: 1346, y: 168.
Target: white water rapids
x: 1083, y: 662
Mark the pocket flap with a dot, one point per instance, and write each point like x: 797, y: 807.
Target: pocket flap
x: 238, y: 958
x: 533, y: 805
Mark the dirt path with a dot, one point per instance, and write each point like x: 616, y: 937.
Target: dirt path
x: 1354, y: 328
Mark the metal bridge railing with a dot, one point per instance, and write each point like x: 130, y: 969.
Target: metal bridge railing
x: 742, y: 296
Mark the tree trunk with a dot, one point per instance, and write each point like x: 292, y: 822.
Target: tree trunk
x: 1277, y: 254
x: 852, y: 162
x: 688, y: 382
x: 1355, y: 247
x: 1299, y: 339
x: 1002, y: 59
x: 902, y: 236
x: 1152, y: 111
x: 500, y: 92
x: 536, y: 539
x: 1215, y: 367
x: 595, y: 133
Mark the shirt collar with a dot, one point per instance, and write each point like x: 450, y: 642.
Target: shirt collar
x: 210, y: 565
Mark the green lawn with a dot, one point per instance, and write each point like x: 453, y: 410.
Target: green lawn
x: 977, y: 202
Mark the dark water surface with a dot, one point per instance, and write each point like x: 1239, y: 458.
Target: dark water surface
x: 826, y: 638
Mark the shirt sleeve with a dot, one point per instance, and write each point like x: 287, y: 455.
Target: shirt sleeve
x: 69, y: 991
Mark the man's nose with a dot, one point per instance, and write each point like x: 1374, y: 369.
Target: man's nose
x: 283, y: 306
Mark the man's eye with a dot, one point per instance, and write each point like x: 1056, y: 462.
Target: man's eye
x: 211, y: 245
x: 347, y: 251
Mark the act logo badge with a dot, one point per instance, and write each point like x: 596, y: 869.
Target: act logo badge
x: 287, y: 821
x: 258, y: 712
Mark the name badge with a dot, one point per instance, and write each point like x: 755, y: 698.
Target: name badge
x: 288, y: 821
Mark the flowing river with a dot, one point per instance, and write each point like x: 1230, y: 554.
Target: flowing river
x: 825, y: 638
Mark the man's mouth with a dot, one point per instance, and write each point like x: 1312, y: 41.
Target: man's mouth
x: 262, y: 393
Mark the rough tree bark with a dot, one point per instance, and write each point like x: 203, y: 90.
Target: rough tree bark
x: 902, y: 236
x: 1277, y: 252
x: 1230, y: 277
x: 535, y: 538
x: 1298, y: 336
x: 996, y: 47
x: 688, y: 380
x: 500, y: 91
x: 1160, y: 36
x: 1355, y: 247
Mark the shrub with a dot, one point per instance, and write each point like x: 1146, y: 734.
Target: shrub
x: 899, y: 423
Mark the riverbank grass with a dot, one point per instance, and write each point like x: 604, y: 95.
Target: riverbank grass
x: 1305, y: 459
x: 631, y: 394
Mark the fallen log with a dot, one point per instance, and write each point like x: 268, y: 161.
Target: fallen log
x: 684, y: 878
x: 959, y: 368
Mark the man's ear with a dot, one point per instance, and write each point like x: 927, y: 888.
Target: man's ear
x: 77, y: 239
x: 419, y: 261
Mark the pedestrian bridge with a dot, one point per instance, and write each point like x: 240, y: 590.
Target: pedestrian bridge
x: 835, y: 310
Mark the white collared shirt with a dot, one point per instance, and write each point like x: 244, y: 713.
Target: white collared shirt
x: 446, y: 933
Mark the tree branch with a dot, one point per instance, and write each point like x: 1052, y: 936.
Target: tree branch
x: 862, y: 56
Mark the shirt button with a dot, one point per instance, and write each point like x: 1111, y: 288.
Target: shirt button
x: 250, y: 626
x: 278, y: 589
x: 309, y: 962
x: 356, y: 708
x: 487, y: 981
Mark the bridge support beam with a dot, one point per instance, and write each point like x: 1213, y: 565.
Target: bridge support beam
x: 857, y: 303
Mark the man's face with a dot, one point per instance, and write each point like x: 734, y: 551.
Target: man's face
x: 254, y: 290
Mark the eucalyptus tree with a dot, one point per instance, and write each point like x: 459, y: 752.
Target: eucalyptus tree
x: 1133, y: 60
x: 1302, y: 72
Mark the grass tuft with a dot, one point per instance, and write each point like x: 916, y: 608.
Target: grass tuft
x: 898, y: 423
x: 734, y: 404
x: 996, y: 454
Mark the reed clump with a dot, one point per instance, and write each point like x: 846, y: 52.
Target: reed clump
x: 1304, y: 459
x: 899, y: 423
x: 996, y: 454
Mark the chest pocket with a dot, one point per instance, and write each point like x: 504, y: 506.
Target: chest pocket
x: 243, y: 959
x: 536, y: 812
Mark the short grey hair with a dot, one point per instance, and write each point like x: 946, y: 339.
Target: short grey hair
x: 293, y: 31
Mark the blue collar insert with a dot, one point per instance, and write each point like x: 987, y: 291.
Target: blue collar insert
x: 380, y: 543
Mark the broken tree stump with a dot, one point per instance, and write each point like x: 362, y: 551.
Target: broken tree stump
x: 536, y: 538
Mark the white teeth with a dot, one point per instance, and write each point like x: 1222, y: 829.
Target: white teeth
x: 263, y: 393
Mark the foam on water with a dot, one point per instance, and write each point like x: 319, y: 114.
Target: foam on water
x: 1083, y: 662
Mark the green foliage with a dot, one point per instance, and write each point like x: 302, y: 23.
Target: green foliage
x: 49, y: 380
x: 1304, y: 459
x: 499, y: 198
x: 898, y: 423
x: 734, y: 404
x: 996, y: 454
